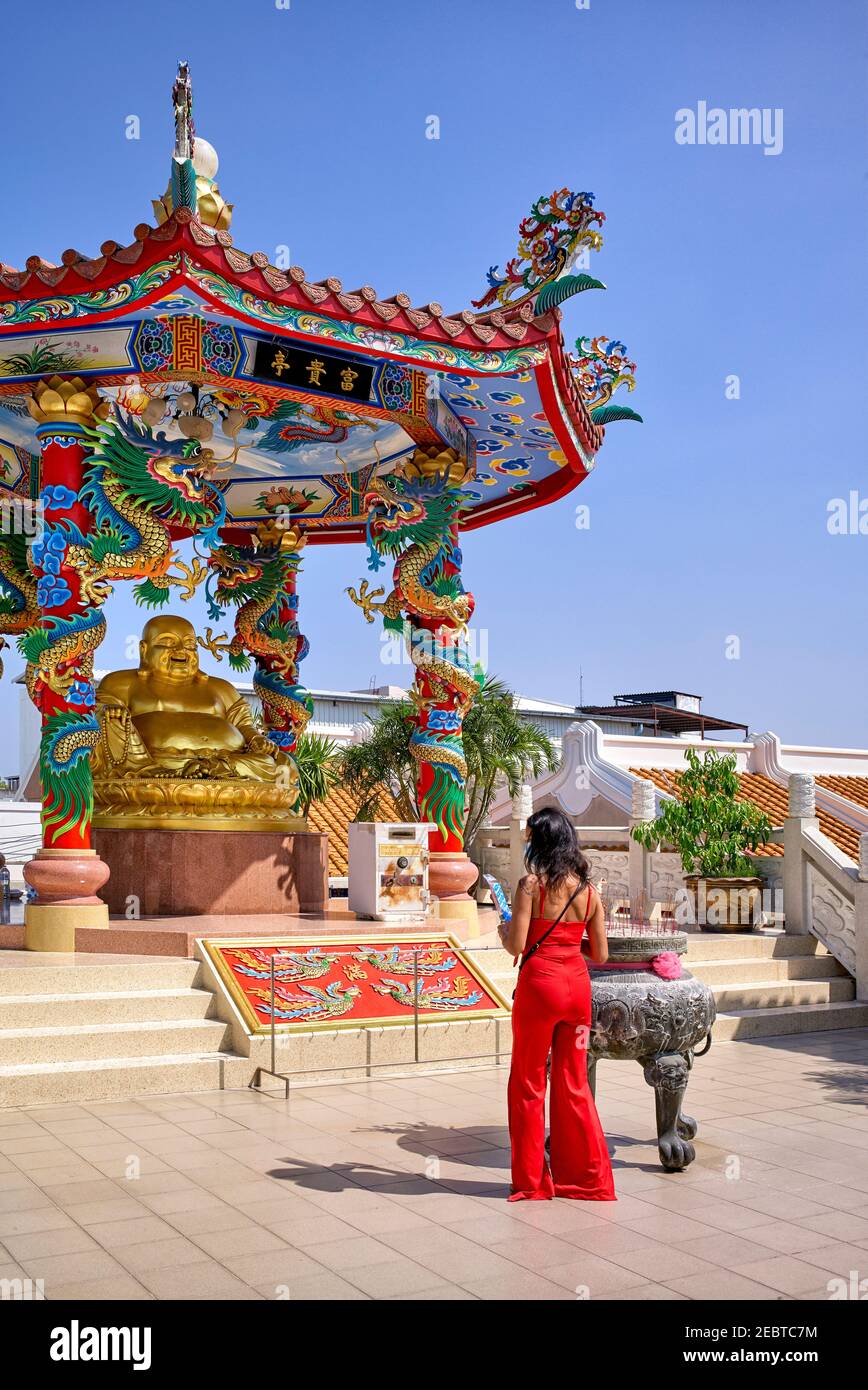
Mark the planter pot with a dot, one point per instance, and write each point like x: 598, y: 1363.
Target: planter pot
x: 730, y: 904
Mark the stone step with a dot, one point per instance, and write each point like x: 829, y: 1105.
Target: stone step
x: 106, y: 1041
x: 781, y: 994
x: 79, y: 974
x: 740, y: 1024
x: 120, y: 1078
x: 705, y: 947
x: 756, y: 969
x: 114, y: 1006
x: 744, y: 945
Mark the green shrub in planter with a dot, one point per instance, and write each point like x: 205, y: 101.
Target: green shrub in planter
x: 710, y: 828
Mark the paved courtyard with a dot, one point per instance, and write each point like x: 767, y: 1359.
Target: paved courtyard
x: 395, y: 1189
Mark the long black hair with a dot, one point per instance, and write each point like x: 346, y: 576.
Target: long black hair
x: 553, y: 850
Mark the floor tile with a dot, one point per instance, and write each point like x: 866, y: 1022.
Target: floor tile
x: 784, y: 1272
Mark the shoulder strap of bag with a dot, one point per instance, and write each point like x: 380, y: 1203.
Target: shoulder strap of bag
x: 535, y: 947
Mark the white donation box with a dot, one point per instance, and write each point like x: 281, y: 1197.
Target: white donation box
x: 388, y: 877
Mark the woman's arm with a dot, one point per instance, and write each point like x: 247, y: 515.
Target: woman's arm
x: 599, y: 946
x: 514, y: 934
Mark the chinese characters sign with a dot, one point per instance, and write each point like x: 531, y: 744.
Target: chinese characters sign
x: 309, y: 369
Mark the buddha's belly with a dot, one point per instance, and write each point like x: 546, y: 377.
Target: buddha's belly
x: 165, y: 732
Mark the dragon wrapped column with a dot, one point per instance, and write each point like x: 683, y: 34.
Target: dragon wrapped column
x: 59, y: 648
x: 286, y: 705
x: 413, y: 516
x: 259, y: 579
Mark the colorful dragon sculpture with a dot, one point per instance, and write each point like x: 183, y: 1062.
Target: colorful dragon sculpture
x: 59, y: 653
x: 559, y: 226
x: 138, y: 484
x: 19, y: 604
x: 259, y: 580
x: 291, y: 425
x: 413, y: 516
x: 135, y: 486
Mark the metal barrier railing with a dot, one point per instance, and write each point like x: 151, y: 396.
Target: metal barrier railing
x: 368, y: 1066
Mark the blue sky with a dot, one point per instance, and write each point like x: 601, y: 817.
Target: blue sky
x: 709, y: 521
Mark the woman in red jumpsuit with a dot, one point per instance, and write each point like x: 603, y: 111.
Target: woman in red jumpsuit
x: 551, y: 1018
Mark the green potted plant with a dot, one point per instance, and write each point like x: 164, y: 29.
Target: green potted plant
x: 713, y: 831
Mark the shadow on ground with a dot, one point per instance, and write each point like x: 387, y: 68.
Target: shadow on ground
x: 472, y: 1147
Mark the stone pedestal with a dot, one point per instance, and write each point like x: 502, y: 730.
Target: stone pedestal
x: 643, y: 809
x: 66, y: 881
x: 449, y: 877
x: 522, y: 810
x: 801, y: 816
x: 180, y: 873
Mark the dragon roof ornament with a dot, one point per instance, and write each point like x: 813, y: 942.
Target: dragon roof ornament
x: 600, y: 367
x: 558, y: 229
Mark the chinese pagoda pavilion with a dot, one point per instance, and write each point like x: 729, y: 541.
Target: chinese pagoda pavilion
x: 177, y: 387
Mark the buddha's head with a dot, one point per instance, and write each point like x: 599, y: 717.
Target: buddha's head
x: 168, y: 649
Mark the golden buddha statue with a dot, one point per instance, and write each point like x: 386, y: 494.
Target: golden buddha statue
x: 180, y: 749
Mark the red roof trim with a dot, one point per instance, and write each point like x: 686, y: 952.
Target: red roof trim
x: 503, y: 329
x: 81, y: 275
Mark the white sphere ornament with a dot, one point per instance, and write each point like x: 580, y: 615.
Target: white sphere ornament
x: 205, y: 160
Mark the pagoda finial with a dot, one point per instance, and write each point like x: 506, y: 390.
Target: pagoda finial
x: 182, y: 100
x: 194, y: 166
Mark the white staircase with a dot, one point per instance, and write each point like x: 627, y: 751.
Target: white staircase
x: 768, y: 985
x: 764, y: 985
x: 90, y: 1030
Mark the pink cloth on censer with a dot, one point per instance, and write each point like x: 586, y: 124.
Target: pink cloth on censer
x: 666, y: 965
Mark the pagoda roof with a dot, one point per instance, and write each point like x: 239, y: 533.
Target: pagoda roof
x: 179, y: 310
x: 79, y: 274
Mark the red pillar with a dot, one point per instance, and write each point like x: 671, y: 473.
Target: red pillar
x: 66, y: 873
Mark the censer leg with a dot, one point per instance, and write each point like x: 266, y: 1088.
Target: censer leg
x: 685, y: 1124
x: 592, y: 1074
x: 668, y: 1075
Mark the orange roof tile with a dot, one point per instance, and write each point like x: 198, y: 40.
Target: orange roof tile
x: 854, y: 788
x: 503, y: 325
x: 332, y: 818
x: 772, y: 798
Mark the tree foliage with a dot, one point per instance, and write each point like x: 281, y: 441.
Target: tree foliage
x: 709, y: 827
x: 499, y: 746
x: 315, y: 758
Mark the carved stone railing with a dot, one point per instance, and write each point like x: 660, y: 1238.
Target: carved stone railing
x: 625, y: 867
x: 825, y: 893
